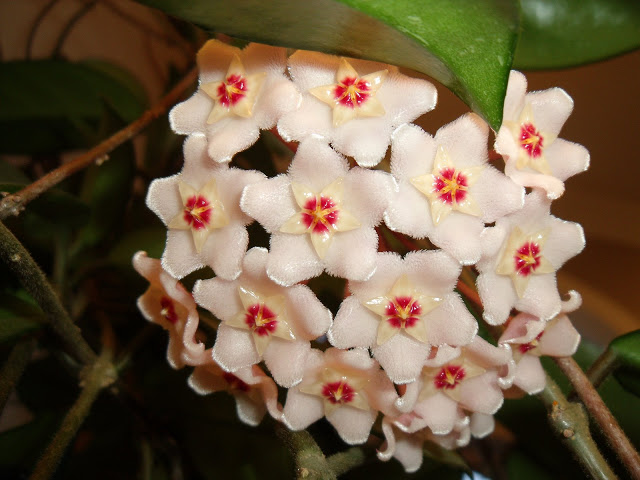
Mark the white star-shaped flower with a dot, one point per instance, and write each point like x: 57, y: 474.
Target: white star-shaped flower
x: 351, y: 96
x: 447, y: 188
x: 200, y: 207
x: 241, y: 92
x: 527, y: 139
x: 353, y: 104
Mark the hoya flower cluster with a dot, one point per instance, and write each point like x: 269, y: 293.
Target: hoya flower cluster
x: 402, y: 345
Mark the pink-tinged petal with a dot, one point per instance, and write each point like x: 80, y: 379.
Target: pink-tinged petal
x: 249, y: 410
x: 401, y: 357
x: 174, y: 353
x: 268, y: 389
x: 412, y: 152
x: 218, y: 296
x: 234, y: 348
x: 566, y: 159
x: 530, y: 375
x: 541, y: 299
x: 433, y: 271
x: 356, y: 358
x: 498, y: 296
x: 486, y: 355
x: 190, y: 116
x: 553, y: 186
x: 388, y: 448
x: 315, y: 318
x: 458, y: 236
x: 292, y: 259
x: 285, y: 360
x: 353, y: 254
x: 317, y: 165
x: 354, y: 326
x: 163, y: 198
x: 565, y: 241
x: 438, y: 412
x: 560, y: 338
x: 481, y: 394
x: 451, y: 323
x: 230, y: 137
x: 366, y: 140
x: 493, y: 205
x: 444, y: 354
x: 465, y: 140
x: 551, y: 109
x: 367, y: 194
x: 407, y: 402
x: 352, y: 424
x: 522, y: 329
x: 409, y: 213
x: 179, y: 257
x: 204, y: 381
x: 270, y: 202
x: 390, y: 268
x: 409, y: 452
x: 302, y: 409
x: 481, y: 424
x: 224, y: 250
x: 516, y: 90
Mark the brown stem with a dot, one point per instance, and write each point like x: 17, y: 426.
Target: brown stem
x: 13, y: 204
x: 602, y: 367
x: 20, y: 262
x: 601, y: 414
x: 14, y: 366
x: 311, y: 464
x: 470, y: 293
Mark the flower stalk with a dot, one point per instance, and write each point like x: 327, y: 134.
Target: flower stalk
x: 570, y: 421
x: 14, y: 367
x: 602, y: 415
x: 95, y: 378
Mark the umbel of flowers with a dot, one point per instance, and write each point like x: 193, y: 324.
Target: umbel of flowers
x: 402, y: 346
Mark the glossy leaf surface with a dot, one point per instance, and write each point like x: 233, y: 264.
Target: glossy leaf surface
x: 466, y: 45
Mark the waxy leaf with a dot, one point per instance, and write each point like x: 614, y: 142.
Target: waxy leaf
x: 47, y: 104
x: 466, y: 45
x: 18, y: 316
x: 627, y: 349
x: 563, y: 33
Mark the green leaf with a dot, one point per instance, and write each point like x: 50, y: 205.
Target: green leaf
x: 18, y: 316
x: 466, y: 45
x: 45, y: 101
x: 627, y: 349
x: 107, y: 188
x: 563, y: 33
x: 56, y: 207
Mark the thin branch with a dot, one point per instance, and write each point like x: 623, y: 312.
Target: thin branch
x: 470, y: 293
x: 602, y: 367
x: 35, y: 283
x: 68, y: 28
x: 572, y: 425
x: 13, y: 204
x: 14, y: 367
x: 311, y: 464
x: 96, y: 377
x: 602, y: 415
x: 342, y: 462
x: 36, y: 25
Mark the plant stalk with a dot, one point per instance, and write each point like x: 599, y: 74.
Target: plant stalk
x: 604, y: 365
x: 14, y: 367
x: 311, y: 464
x: 602, y: 415
x: 36, y: 284
x: 95, y: 377
x: 570, y: 421
x: 14, y: 203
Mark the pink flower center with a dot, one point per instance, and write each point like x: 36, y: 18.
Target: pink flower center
x: 197, y: 212
x: 525, y: 347
x: 449, y: 377
x: 403, y: 312
x: 319, y: 214
x: 531, y: 140
x: 235, y: 383
x: 232, y: 90
x: 338, y: 392
x: 351, y: 92
x: 450, y: 185
x: 260, y: 319
x: 167, y: 310
x: 527, y: 258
